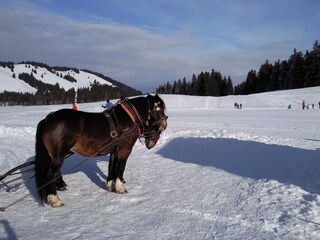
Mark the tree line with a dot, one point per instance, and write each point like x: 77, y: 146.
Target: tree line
x: 299, y: 71
x: 205, y: 84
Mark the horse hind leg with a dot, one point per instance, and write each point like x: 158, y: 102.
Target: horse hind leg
x: 55, y: 178
x: 61, y: 185
x: 45, y: 172
x: 54, y: 201
x: 48, y: 188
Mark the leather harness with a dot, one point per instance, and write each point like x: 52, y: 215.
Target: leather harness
x: 133, y: 114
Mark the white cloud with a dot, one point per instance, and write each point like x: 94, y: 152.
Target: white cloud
x: 145, y: 56
x: 130, y: 55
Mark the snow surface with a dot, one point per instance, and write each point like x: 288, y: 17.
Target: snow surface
x: 9, y: 83
x: 216, y: 173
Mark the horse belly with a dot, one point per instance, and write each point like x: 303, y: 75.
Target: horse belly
x: 90, y: 149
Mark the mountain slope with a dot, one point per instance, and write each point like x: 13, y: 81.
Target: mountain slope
x: 38, y: 78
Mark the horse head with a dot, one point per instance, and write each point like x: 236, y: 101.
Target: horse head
x: 157, y: 119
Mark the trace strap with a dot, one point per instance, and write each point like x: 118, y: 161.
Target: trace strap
x: 113, y: 130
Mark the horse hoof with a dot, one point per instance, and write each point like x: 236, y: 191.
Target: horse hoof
x: 62, y: 188
x: 54, y: 201
x: 120, y: 188
x: 110, y: 186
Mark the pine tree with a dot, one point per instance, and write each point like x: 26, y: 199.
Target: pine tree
x: 214, y: 85
x: 275, y: 76
x: 210, y: 86
x: 217, y: 77
x: 223, y: 87
x: 284, y: 75
x: 229, y: 87
x: 201, y: 91
x: 174, y: 88
x: 296, y: 70
x: 264, y: 75
x: 251, y: 82
x: 184, y: 86
x: 178, y: 87
x: 312, y: 63
x: 168, y: 88
x: 194, y: 85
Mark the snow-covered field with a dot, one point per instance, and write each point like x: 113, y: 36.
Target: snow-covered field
x: 216, y: 173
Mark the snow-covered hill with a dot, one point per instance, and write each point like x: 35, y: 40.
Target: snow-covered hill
x: 216, y: 173
x: 14, y: 84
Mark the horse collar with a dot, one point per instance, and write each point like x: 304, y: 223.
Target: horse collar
x: 133, y: 114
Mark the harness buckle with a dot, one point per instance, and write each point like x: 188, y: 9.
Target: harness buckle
x: 113, y: 134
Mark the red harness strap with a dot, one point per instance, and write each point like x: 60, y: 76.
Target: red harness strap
x: 131, y: 114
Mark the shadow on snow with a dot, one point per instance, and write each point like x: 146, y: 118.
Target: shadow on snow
x: 250, y: 159
x: 73, y: 164
x: 10, y: 234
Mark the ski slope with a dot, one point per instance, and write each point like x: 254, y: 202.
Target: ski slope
x: 216, y: 173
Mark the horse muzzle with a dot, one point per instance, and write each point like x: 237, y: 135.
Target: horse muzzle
x: 152, y: 141
x: 163, y: 123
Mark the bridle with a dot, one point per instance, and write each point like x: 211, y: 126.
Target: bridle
x: 145, y: 130
x: 161, y: 117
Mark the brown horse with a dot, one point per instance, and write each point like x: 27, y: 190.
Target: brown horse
x: 113, y: 131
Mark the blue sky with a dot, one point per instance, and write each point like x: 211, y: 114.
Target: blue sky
x: 148, y: 43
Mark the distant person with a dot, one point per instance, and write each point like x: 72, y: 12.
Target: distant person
x: 319, y: 104
x: 289, y: 107
x: 75, y: 106
x: 303, y: 104
x: 108, y: 104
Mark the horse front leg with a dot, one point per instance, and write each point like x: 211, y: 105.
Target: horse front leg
x: 121, y: 168
x: 111, y: 173
x: 115, y: 181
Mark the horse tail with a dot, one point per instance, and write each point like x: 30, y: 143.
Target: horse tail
x: 42, y: 164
